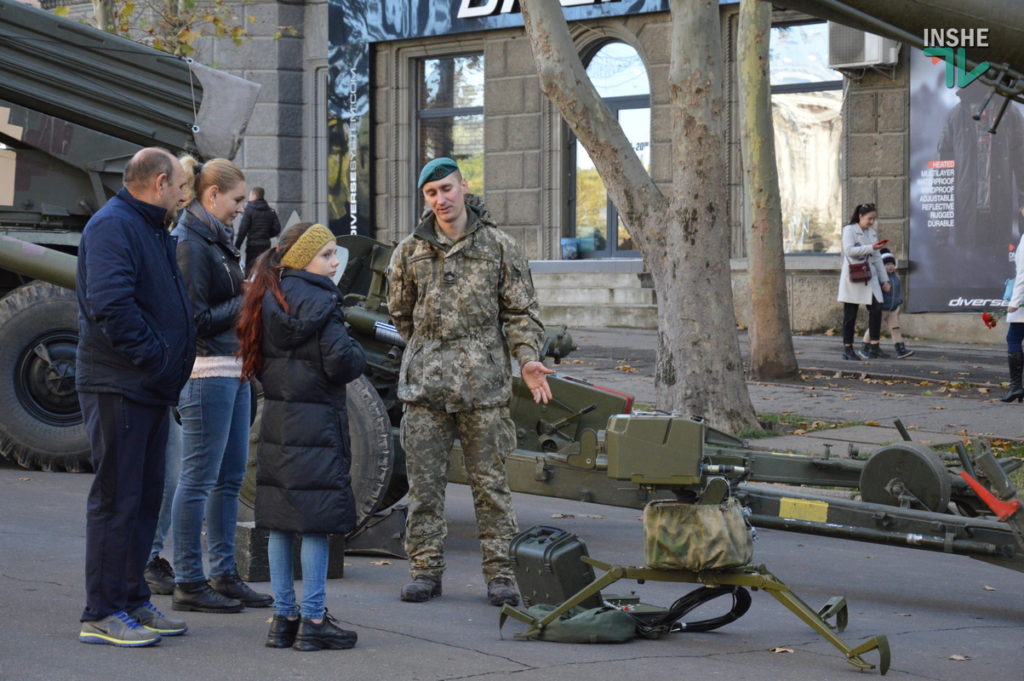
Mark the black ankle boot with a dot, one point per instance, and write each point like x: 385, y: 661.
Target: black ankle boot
x: 199, y: 597
x: 1016, y: 362
x: 848, y: 353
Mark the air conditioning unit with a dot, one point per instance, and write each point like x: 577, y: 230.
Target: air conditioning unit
x: 851, y: 48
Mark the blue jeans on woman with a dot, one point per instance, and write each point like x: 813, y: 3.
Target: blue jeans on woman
x: 172, y: 468
x: 315, y: 555
x: 215, y: 446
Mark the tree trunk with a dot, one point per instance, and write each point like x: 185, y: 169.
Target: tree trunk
x: 103, y: 15
x: 771, y: 342
x: 684, y: 238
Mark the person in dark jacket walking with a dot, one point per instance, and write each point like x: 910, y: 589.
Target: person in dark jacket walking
x: 136, y: 345
x: 293, y: 338
x: 214, y: 404
x: 259, y: 225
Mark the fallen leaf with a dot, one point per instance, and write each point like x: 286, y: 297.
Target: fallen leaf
x: 913, y: 427
x: 626, y: 368
x: 830, y: 332
x: 984, y: 391
x: 925, y: 383
x: 936, y: 407
x: 593, y: 516
x: 876, y: 424
x: 960, y: 658
x: 799, y: 431
x: 562, y: 515
x: 24, y: 479
x: 935, y: 372
x: 988, y: 588
x: 782, y: 650
x: 380, y: 562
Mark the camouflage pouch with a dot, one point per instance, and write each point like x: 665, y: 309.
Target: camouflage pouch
x: 696, y: 537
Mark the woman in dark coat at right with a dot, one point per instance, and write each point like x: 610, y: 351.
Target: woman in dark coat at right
x: 293, y: 339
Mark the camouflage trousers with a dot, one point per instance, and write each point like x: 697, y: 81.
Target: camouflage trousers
x: 487, y: 437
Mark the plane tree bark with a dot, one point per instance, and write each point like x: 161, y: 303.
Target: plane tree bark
x: 771, y: 342
x: 682, y: 233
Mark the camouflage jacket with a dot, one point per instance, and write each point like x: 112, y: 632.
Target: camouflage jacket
x: 462, y: 310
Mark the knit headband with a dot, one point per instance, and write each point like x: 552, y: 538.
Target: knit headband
x: 307, y: 246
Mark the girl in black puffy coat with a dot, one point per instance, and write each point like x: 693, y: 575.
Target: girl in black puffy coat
x: 293, y: 339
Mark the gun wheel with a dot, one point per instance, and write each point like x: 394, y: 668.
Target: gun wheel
x: 906, y: 473
x: 40, y: 420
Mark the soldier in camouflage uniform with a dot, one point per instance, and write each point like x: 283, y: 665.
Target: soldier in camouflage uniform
x: 461, y: 296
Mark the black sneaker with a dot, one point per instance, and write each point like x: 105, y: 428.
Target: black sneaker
x: 160, y: 576
x: 282, y: 632
x: 902, y: 352
x: 325, y: 635
x: 421, y: 589
x: 502, y: 591
x: 199, y: 597
x: 232, y: 586
x: 149, y: 617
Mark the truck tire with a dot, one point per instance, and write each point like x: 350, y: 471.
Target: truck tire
x: 40, y: 420
x: 378, y: 465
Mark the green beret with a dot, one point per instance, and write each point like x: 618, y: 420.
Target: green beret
x: 437, y: 169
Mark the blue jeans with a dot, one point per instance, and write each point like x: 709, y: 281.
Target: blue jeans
x: 315, y: 555
x: 215, y: 446
x: 172, y: 468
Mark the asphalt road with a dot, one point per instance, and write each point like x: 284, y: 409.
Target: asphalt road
x: 947, y: 617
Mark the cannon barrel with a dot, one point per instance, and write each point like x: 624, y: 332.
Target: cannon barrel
x: 38, y: 262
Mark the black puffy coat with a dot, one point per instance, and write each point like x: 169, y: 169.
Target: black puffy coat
x: 302, y: 470
x: 259, y: 224
x: 213, y: 279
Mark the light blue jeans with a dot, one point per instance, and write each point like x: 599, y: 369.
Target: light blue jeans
x: 314, y: 555
x: 172, y: 467
x: 215, y: 446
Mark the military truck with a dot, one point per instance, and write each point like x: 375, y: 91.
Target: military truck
x: 75, y: 104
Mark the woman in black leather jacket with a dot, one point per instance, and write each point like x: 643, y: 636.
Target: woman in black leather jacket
x: 214, y: 404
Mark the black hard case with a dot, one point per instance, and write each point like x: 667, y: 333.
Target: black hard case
x: 546, y: 561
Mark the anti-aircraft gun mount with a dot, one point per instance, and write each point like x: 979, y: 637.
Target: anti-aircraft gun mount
x: 75, y: 104
x: 664, y: 452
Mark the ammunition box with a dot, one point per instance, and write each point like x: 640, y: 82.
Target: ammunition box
x: 548, y: 566
x: 655, y: 449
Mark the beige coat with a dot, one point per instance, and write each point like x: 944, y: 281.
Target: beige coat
x: 857, y: 248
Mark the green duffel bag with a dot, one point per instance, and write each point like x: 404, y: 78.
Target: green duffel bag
x: 696, y: 537
x: 596, y: 625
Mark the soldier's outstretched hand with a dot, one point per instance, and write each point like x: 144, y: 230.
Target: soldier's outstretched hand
x: 535, y: 377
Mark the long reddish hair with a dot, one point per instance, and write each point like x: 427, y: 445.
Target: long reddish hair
x: 265, y: 276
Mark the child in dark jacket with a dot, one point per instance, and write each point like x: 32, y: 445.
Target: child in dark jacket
x: 893, y: 298
x: 293, y: 339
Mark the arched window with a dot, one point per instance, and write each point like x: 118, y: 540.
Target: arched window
x: 619, y: 75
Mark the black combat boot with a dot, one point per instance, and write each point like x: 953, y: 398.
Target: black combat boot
x: 848, y: 353
x: 902, y: 352
x: 282, y: 632
x: 1016, y: 361
x: 323, y: 635
x: 199, y: 597
x: 421, y: 589
x: 232, y: 586
x: 502, y: 591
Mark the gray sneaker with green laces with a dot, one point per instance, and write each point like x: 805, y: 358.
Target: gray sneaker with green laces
x: 148, y: 616
x: 118, y: 629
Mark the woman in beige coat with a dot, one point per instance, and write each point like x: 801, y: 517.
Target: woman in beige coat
x: 861, y: 244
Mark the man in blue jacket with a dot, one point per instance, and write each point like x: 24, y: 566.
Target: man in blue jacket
x: 135, y: 351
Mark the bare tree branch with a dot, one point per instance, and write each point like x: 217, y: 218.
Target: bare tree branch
x: 564, y: 81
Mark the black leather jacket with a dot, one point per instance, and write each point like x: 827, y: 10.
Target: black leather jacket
x: 213, y: 280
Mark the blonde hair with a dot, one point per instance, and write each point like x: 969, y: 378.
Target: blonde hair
x: 217, y: 172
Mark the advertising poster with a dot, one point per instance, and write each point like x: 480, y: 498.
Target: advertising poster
x: 966, y: 192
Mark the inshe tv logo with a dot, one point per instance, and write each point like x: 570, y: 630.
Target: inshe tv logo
x: 950, y: 45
